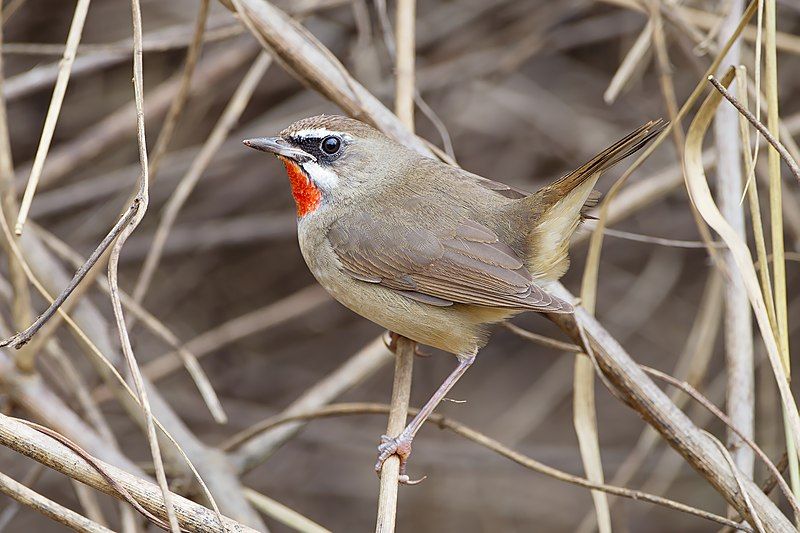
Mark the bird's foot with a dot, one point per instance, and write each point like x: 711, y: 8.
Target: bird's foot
x: 390, y: 340
x: 401, y: 447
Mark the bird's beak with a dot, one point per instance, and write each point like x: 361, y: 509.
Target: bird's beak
x: 280, y: 147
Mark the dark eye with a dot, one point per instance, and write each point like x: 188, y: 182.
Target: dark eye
x: 330, y: 144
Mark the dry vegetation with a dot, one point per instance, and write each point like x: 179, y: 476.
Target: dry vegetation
x: 274, y: 396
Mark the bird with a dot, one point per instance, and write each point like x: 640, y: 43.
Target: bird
x: 425, y: 249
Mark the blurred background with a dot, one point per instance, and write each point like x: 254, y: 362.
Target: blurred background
x: 518, y: 89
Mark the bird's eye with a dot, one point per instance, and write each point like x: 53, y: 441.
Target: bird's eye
x: 330, y: 144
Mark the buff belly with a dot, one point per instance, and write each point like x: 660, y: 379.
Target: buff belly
x: 459, y: 329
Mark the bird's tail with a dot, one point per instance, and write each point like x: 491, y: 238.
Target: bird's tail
x: 557, y: 209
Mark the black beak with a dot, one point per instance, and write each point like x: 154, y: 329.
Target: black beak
x: 280, y: 147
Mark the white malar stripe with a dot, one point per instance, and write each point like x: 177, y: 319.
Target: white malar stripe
x: 324, y: 178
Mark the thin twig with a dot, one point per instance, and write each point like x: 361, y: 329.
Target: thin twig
x: 342, y: 409
x: 781, y: 149
x: 390, y: 470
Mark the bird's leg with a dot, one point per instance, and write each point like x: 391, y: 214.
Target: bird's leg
x: 401, y: 445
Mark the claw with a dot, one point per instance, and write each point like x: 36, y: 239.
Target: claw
x: 401, y: 447
x: 419, y: 352
x: 390, y: 340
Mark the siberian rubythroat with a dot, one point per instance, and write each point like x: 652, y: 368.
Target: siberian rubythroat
x: 427, y: 250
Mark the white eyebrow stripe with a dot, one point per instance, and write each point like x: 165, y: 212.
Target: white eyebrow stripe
x: 319, y: 133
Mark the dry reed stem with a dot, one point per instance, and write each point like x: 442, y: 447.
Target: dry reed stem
x: 630, y: 64
x: 692, y: 367
x: 754, y: 204
x: 701, y: 197
x: 21, y: 338
x: 120, y: 124
x: 11, y: 510
x: 776, y: 227
x: 65, y: 69
x: 217, y: 470
x: 590, y: 274
x: 740, y: 391
x: 49, y: 452
x: 49, y: 508
x: 693, y: 393
x: 283, y: 514
x: 759, y: 527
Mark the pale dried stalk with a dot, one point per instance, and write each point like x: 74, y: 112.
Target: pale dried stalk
x: 65, y: 69
x: 630, y: 63
x: 740, y: 391
x: 591, y: 271
x: 49, y: 508
x: 42, y: 448
x: 217, y: 471
x: 282, y: 514
x: 404, y: 62
x: 701, y: 197
x: 691, y: 367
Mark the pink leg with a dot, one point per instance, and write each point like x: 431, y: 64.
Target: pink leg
x: 401, y: 445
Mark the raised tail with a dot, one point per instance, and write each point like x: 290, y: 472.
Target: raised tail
x: 555, y: 211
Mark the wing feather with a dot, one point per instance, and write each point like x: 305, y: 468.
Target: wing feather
x: 466, y: 263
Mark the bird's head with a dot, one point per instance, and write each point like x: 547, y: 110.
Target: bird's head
x: 329, y: 158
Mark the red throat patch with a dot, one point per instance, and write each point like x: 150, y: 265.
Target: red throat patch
x: 306, y: 195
